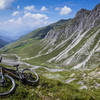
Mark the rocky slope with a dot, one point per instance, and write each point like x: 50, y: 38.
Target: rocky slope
x: 73, y: 43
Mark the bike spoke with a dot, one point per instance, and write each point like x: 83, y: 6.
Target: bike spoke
x: 30, y: 76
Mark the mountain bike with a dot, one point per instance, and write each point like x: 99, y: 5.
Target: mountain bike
x: 7, y: 82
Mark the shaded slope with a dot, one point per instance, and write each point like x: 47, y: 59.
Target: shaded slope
x: 2, y: 42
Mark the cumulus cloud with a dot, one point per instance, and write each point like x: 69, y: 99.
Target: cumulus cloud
x: 65, y: 10
x: 15, y: 13
x: 43, y: 8
x: 5, y: 4
x: 30, y: 8
x: 25, y: 23
x: 37, y: 16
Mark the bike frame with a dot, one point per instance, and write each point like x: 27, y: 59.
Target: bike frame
x: 18, y: 74
x: 11, y: 72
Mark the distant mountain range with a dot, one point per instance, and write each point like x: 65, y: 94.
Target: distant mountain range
x: 72, y: 43
x: 3, y: 41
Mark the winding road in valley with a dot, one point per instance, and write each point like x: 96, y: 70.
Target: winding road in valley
x: 6, y: 60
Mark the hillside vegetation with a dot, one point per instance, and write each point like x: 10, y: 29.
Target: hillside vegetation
x: 54, y: 89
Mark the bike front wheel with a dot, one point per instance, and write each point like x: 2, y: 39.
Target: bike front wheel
x: 30, y: 76
x: 7, y: 85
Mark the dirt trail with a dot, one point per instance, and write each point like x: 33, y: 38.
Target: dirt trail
x: 12, y: 62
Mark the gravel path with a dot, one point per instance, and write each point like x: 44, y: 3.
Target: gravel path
x: 12, y: 62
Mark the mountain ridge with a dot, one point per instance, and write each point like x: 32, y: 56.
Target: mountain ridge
x: 73, y: 43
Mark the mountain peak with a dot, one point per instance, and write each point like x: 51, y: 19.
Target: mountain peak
x: 97, y: 7
x: 82, y: 12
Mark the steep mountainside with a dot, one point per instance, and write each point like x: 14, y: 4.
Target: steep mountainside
x: 73, y: 43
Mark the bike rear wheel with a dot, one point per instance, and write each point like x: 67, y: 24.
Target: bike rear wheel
x: 30, y: 76
x: 7, y: 86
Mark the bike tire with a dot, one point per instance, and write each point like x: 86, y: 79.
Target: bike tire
x: 12, y: 88
x: 30, y: 80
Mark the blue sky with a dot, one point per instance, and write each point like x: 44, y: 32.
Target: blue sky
x: 18, y: 17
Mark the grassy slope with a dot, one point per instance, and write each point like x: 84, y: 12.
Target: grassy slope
x: 53, y: 89
x: 46, y: 90
x: 26, y: 48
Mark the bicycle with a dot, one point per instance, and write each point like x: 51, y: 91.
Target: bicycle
x: 7, y: 82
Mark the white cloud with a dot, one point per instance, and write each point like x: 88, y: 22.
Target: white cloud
x: 30, y: 8
x: 26, y: 23
x: 5, y: 4
x: 37, y: 16
x: 15, y: 13
x: 43, y: 8
x: 65, y: 10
